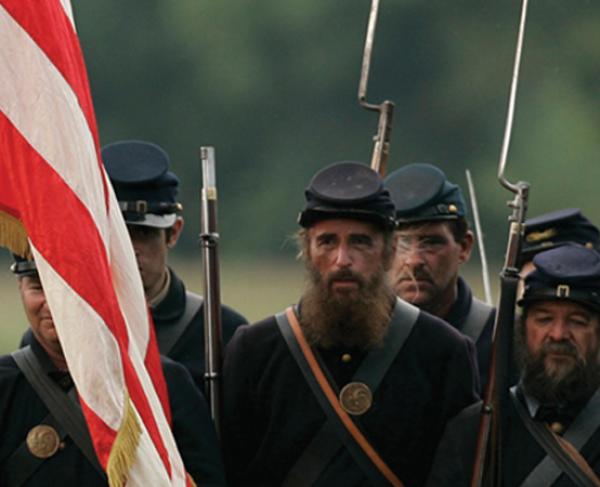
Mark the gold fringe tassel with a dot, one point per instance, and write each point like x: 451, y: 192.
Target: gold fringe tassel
x: 13, y: 235
x: 191, y: 480
x: 123, y: 451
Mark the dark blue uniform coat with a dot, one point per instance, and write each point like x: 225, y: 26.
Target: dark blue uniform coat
x: 454, y: 458
x: 457, y: 317
x: 21, y: 409
x: 271, y: 413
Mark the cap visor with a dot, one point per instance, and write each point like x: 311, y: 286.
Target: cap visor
x: 156, y: 221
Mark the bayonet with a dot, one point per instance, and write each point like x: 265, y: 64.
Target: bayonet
x: 479, y: 234
x: 381, y: 140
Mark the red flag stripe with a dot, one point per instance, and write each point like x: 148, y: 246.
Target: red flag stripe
x: 74, y: 264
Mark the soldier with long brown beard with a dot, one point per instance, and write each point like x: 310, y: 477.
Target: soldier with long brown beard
x: 352, y: 386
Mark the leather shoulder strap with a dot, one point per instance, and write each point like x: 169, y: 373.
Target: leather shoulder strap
x: 321, y: 448
x: 65, y: 410
x: 168, y: 336
x: 562, y: 456
x: 478, y: 315
x: 375, y: 365
x: 21, y: 464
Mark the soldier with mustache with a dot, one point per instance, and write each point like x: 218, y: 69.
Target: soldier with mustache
x: 433, y: 242
x: 352, y: 386
x: 553, y: 432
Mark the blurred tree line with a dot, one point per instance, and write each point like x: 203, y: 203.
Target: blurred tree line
x: 272, y: 85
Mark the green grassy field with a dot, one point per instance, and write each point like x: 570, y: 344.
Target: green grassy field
x: 256, y: 289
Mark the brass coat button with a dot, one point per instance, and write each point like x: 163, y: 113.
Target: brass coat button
x: 558, y: 428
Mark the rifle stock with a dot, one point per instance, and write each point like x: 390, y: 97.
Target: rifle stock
x: 493, y: 423
x: 209, y: 239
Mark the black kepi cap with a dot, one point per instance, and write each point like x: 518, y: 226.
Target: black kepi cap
x: 145, y: 188
x: 421, y: 192
x: 347, y: 190
x: 569, y: 272
x: 557, y: 228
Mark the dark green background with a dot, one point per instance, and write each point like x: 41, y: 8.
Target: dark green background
x: 272, y: 85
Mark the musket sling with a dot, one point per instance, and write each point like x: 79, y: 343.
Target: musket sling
x: 65, y: 414
x: 168, y: 336
x: 560, y: 460
x: 334, y: 434
x: 478, y: 315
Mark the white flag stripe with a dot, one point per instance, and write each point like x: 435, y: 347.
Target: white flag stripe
x: 126, y: 277
x: 147, y: 468
x: 82, y: 333
x: 129, y: 282
x: 43, y: 107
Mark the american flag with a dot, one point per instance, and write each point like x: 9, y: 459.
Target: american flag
x: 55, y: 199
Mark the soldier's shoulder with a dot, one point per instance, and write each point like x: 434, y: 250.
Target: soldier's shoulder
x: 258, y: 333
x: 232, y: 317
x: 439, y: 331
x: 8, y: 369
x: 8, y: 363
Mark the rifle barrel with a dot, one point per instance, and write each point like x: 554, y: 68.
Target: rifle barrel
x: 487, y: 465
x: 209, y: 239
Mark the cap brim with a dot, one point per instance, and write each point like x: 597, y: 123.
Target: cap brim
x: 156, y: 221
x: 536, y: 299
x: 426, y: 219
x: 309, y: 217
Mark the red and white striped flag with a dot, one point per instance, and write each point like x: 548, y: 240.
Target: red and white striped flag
x: 54, y: 190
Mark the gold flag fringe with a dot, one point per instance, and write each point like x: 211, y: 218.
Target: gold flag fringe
x: 122, y: 454
x: 191, y: 480
x: 13, y: 235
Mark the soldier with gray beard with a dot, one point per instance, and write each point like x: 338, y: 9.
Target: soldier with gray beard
x: 352, y: 386
x: 553, y: 434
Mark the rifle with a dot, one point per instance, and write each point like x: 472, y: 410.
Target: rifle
x: 493, y: 424
x: 209, y: 239
x: 381, y: 140
x: 479, y: 233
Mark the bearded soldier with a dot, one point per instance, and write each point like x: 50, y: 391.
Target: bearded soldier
x: 352, y: 386
x: 553, y: 433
